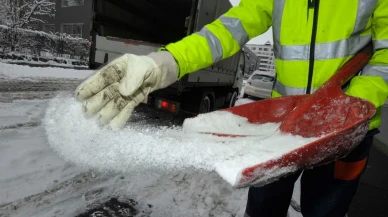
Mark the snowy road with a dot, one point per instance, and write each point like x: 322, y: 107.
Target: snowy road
x: 36, y: 181
x: 34, y: 89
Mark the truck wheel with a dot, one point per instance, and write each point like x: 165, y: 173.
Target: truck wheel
x: 233, y: 99
x: 205, y: 105
x: 245, y: 95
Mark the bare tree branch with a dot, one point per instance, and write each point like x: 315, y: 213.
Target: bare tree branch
x: 13, y: 13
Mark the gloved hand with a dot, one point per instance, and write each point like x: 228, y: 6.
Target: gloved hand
x: 373, y: 89
x: 114, y: 91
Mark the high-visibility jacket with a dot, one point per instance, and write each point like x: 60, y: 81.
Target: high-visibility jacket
x: 312, y: 40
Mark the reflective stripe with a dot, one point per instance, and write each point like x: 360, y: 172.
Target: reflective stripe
x: 365, y: 9
x: 329, y: 50
x: 277, y: 15
x: 214, y: 43
x: 376, y: 70
x: 341, y: 48
x: 287, y: 90
x: 380, y: 44
x: 234, y: 26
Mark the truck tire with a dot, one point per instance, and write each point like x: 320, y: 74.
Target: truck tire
x: 205, y: 106
x: 233, y: 99
x: 245, y: 95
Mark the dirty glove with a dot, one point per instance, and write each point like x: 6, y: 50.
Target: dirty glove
x: 114, y: 91
x: 373, y: 89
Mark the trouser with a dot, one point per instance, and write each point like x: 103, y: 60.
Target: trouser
x: 326, y: 191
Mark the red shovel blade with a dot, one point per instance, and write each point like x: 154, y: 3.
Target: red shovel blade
x: 319, y: 152
x: 328, y: 109
x: 338, y: 141
x: 339, y: 120
x: 325, y: 111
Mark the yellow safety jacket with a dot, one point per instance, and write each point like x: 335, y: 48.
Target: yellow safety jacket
x: 312, y: 40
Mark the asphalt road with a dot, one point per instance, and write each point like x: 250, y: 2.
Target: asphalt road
x: 44, y: 88
x: 371, y: 199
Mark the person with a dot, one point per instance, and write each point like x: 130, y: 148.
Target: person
x: 312, y: 39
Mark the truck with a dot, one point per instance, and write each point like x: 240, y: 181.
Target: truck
x: 140, y: 27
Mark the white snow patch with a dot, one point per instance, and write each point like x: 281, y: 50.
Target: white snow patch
x: 227, y: 123
x: 28, y: 165
x: 243, y: 101
x: 140, y: 147
x: 37, y: 182
x: 17, y: 71
x: 21, y: 111
x: 49, y: 63
x: 41, y: 184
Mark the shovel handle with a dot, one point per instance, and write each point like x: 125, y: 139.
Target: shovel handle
x: 352, y: 67
x: 298, y: 123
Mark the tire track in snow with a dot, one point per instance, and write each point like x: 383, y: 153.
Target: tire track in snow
x: 17, y: 126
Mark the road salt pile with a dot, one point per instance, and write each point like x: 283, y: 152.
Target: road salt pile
x: 227, y: 123
x: 146, y: 148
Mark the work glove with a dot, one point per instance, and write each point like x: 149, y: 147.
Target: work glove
x: 114, y: 91
x: 373, y: 89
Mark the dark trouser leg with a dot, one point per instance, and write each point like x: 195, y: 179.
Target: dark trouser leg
x: 327, y: 191
x: 271, y: 200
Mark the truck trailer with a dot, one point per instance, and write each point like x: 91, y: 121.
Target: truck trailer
x: 141, y: 27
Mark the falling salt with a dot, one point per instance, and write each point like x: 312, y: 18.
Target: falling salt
x: 143, y: 147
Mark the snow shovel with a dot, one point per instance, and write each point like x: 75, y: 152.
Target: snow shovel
x: 339, y: 122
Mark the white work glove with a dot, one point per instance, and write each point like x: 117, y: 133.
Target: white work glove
x: 114, y: 91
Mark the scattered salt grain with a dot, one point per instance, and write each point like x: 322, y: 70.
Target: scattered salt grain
x: 142, y: 147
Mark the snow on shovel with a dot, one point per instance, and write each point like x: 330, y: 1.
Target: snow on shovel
x: 337, y: 121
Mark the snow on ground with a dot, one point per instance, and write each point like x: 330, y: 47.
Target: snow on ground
x: 23, y: 111
x: 241, y: 100
x: 244, y: 101
x: 30, y: 167
x: 49, y: 63
x: 27, y: 165
x: 243, y: 88
x: 37, y: 181
x: 17, y: 71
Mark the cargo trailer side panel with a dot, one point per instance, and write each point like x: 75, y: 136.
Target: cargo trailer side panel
x: 224, y: 71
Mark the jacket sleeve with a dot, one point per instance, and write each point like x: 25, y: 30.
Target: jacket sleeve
x: 223, y: 37
x: 372, y: 85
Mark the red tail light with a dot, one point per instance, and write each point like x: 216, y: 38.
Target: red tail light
x: 173, y: 108
x: 166, y: 105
